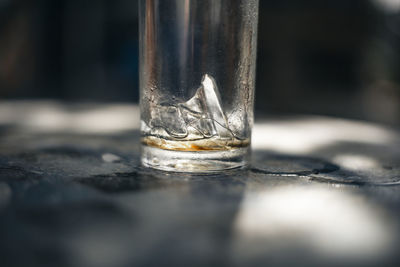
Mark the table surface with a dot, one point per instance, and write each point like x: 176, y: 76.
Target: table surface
x: 319, y: 190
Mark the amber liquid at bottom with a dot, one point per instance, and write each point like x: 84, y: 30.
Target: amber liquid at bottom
x: 205, y: 144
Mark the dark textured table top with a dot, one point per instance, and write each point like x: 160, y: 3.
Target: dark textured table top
x: 319, y: 191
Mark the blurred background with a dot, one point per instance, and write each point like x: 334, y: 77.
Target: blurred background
x: 338, y: 58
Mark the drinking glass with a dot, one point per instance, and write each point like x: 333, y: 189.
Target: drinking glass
x: 197, y: 77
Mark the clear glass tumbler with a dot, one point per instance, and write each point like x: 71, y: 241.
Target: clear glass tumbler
x: 197, y: 77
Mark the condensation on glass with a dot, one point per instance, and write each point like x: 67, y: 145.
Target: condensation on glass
x: 197, y: 75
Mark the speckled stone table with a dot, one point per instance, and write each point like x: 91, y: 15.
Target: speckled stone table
x: 72, y: 193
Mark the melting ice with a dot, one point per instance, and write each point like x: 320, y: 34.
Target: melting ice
x: 201, y: 116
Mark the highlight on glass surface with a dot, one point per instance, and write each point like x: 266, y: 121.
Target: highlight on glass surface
x: 197, y: 75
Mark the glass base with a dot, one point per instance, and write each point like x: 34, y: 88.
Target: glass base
x: 194, y: 161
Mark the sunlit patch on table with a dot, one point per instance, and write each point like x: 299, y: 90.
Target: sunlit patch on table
x: 326, y: 223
